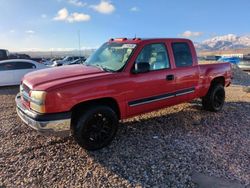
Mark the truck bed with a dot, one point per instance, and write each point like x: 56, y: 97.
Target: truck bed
x: 209, y: 71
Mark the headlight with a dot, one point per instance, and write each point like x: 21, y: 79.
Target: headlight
x: 21, y: 88
x: 37, y: 101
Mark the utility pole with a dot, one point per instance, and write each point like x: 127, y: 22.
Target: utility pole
x: 79, y: 42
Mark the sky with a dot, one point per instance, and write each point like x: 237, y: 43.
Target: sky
x: 47, y: 25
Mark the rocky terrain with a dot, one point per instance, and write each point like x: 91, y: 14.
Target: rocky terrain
x: 164, y: 148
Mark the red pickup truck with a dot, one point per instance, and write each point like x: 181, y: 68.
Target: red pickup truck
x: 123, y: 78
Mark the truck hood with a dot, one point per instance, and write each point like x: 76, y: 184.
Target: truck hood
x: 54, y: 76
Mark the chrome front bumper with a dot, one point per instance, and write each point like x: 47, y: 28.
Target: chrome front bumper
x: 55, y: 124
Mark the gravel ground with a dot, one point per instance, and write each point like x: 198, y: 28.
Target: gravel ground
x: 240, y: 77
x: 162, y: 148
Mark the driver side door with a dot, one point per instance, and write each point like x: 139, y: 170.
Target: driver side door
x: 153, y: 89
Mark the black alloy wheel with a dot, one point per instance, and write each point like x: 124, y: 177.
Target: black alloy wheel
x: 96, y: 128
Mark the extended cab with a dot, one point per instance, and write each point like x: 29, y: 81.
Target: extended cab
x: 123, y: 78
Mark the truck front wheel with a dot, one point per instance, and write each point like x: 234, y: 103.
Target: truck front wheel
x: 214, y: 99
x: 96, y: 128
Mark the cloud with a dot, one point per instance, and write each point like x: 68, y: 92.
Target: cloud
x: 12, y: 31
x: 191, y: 34
x: 44, y: 16
x: 63, y: 15
x: 134, y: 9
x: 78, y: 17
x: 77, y: 3
x: 30, y: 32
x: 104, y: 7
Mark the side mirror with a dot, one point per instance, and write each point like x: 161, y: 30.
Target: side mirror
x: 141, y: 67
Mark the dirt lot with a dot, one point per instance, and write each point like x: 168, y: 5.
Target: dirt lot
x: 163, y: 148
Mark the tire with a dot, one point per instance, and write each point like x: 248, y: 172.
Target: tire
x: 214, y: 99
x: 96, y: 128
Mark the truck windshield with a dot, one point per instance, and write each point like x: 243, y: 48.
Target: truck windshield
x: 111, y: 56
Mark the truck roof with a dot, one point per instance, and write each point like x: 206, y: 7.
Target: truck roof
x: 139, y: 40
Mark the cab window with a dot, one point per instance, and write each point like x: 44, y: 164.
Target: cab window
x: 182, y: 54
x: 156, y: 55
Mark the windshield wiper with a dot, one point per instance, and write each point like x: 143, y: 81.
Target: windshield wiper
x: 103, y: 68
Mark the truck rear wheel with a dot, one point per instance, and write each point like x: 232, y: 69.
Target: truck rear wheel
x: 214, y: 99
x: 96, y: 128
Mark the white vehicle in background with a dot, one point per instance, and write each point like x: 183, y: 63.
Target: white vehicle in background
x: 244, y: 65
x: 12, y: 71
x: 67, y: 60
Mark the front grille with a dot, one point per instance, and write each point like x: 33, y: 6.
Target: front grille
x: 26, y: 88
x: 25, y: 99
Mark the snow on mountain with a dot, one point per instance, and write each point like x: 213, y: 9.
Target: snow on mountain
x: 225, y: 42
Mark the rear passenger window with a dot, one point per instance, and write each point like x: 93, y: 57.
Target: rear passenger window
x: 6, y: 66
x: 156, y: 55
x: 16, y: 66
x: 182, y: 54
x: 23, y: 65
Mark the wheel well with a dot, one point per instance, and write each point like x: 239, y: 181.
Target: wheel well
x: 110, y: 102
x: 218, y: 80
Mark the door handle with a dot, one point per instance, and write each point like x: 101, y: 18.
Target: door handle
x: 170, y: 77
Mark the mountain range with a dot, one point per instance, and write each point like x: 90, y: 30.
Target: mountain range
x: 225, y: 42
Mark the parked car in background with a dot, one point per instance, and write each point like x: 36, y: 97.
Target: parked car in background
x: 244, y: 65
x: 56, y: 59
x: 4, y: 54
x: 47, y: 62
x: 12, y: 71
x: 37, y: 59
x: 233, y: 60
x: 246, y: 57
x: 78, y: 61
x: 18, y: 56
x: 212, y: 58
x: 123, y: 78
x: 67, y: 60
